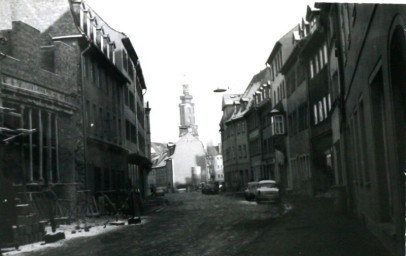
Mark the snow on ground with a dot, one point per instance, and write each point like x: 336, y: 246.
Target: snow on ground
x: 247, y: 202
x: 98, y: 226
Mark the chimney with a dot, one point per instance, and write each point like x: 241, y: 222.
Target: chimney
x: 171, y: 148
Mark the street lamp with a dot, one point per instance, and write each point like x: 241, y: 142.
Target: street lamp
x: 221, y: 89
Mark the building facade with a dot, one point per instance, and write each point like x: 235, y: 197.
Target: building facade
x: 189, y: 156
x: 340, y: 115
x: 37, y: 94
x: 215, y: 165
x: 78, y: 86
x: 230, y: 104
x: 369, y: 41
x: 298, y: 129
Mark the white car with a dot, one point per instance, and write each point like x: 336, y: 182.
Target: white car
x: 267, y: 191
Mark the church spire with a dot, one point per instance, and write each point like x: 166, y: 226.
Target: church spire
x: 187, y: 114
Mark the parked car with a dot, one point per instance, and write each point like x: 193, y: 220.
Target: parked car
x: 251, y: 190
x: 267, y: 191
x: 211, y: 188
x: 160, y: 191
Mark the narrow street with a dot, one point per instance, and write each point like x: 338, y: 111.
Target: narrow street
x: 226, y: 224
x: 192, y: 224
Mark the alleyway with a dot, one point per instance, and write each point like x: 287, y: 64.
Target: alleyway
x: 196, y: 224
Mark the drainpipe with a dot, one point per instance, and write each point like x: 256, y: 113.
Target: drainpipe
x: 84, y: 111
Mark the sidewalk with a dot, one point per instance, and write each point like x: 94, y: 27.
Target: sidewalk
x: 153, y: 204
x: 313, y: 228
x: 96, y: 226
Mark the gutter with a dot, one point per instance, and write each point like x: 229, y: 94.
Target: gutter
x: 67, y: 37
x: 84, y: 111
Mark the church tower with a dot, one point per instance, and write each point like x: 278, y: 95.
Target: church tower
x: 187, y: 114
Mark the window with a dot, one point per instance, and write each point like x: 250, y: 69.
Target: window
x: 321, y: 58
x: 283, y: 89
x: 311, y: 69
x: 329, y: 101
x: 325, y: 107
x: 315, y: 114
x: 325, y: 53
x: 316, y: 64
x: 278, y: 125
x: 321, y: 111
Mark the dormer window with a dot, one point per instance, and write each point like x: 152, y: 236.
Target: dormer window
x: 102, y: 44
x: 89, y: 28
x: 125, y: 61
x: 112, y: 49
x: 108, y: 50
x: 94, y: 34
x: 83, y: 19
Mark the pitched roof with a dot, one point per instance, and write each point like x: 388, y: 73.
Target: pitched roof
x: 262, y: 77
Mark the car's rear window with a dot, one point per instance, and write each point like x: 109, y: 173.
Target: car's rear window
x: 267, y: 185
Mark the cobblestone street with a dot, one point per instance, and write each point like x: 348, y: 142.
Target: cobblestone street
x: 226, y: 224
x: 192, y: 224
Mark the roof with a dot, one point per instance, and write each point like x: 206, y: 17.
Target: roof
x: 33, y: 13
x: 311, y: 12
x: 280, y: 43
x: 59, y: 18
x: 228, y: 99
x: 160, y: 160
x: 262, y: 77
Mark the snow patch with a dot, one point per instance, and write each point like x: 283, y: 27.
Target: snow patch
x: 96, y: 228
x: 247, y: 202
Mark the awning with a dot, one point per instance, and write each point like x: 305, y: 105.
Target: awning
x: 137, y: 159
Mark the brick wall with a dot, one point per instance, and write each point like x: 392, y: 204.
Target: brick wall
x: 25, y: 43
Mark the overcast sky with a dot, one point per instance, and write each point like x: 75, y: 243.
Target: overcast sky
x: 206, y: 44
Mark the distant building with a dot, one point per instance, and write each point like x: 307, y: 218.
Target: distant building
x: 297, y: 122
x: 161, y: 174
x: 189, y: 157
x: 215, y: 164
x: 230, y: 104
x: 187, y: 114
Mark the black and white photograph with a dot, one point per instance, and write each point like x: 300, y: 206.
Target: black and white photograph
x: 202, y: 127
